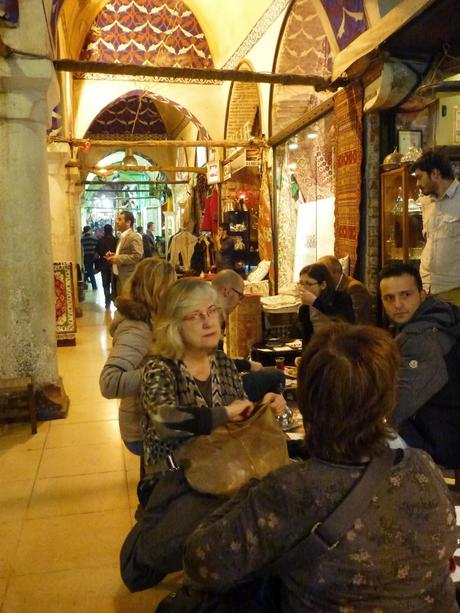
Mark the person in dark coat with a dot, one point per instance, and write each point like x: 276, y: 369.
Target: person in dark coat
x: 107, y: 243
x: 226, y: 253
x: 321, y: 302
x: 427, y: 329
x: 88, y: 245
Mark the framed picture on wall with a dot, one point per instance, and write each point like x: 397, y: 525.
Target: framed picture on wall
x: 409, y: 138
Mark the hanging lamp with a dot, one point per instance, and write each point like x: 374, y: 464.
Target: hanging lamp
x: 129, y: 159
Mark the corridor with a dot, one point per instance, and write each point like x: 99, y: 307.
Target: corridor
x: 68, y: 495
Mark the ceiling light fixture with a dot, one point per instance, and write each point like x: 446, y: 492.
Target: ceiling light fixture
x: 129, y: 159
x: 312, y: 135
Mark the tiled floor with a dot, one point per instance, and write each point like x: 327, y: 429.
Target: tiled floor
x: 67, y: 495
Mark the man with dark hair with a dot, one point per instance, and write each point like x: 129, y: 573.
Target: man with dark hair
x: 130, y: 249
x: 88, y: 244
x: 226, y: 252
x: 427, y: 329
x: 107, y: 243
x: 440, y: 260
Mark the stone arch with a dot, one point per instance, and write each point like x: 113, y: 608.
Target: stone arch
x: 243, y: 107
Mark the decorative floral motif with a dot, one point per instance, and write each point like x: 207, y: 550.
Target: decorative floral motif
x: 147, y: 32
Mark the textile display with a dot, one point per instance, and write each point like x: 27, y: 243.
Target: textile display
x: 244, y: 327
x: 260, y: 288
x: 210, y: 221
x: 265, y: 235
x: 348, y: 118
x: 66, y: 325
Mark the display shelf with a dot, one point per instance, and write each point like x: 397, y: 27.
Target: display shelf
x: 401, y: 217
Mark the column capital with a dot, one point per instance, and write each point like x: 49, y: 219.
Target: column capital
x: 29, y: 89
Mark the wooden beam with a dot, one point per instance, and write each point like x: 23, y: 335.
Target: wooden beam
x: 303, y: 121
x: 79, y: 142
x: 113, y: 168
x: 202, y: 74
x: 115, y: 183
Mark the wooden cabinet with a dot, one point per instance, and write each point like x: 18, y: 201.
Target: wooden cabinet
x: 401, y: 217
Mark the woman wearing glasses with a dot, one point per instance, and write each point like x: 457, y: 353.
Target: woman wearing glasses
x: 321, y: 302
x: 189, y: 388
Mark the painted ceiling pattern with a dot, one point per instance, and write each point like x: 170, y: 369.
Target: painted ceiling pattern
x: 9, y: 12
x: 123, y: 112
x: 130, y: 116
x: 304, y: 49
x: 147, y: 32
x: 346, y: 18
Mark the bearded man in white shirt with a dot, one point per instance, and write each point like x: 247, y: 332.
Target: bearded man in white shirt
x: 440, y: 260
x: 130, y: 249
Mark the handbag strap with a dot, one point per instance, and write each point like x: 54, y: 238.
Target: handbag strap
x: 327, y: 534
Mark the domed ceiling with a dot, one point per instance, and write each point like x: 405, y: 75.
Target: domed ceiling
x: 147, y: 32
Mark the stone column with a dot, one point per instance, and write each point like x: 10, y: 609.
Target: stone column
x: 62, y: 187
x: 28, y: 93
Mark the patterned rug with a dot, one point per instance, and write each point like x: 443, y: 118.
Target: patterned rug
x: 265, y: 236
x: 66, y: 326
x: 244, y: 327
x: 348, y: 115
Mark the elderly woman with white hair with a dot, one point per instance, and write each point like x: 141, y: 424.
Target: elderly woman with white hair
x: 189, y: 388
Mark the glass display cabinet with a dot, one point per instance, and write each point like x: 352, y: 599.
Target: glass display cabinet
x: 401, y: 220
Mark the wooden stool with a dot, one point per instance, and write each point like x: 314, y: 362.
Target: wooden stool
x: 21, y: 387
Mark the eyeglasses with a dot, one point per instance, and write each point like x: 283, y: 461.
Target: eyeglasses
x: 240, y: 294
x: 211, y: 312
x: 307, y: 283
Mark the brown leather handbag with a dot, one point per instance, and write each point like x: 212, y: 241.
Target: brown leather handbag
x: 225, y: 460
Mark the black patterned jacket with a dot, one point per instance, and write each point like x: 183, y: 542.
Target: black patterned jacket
x: 174, y: 408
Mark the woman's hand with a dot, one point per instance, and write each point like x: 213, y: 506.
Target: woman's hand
x: 239, y: 410
x: 276, y: 402
x: 306, y: 296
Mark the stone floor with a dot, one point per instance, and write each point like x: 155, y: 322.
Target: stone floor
x: 67, y: 495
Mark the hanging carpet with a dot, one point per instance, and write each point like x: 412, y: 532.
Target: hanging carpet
x: 348, y: 119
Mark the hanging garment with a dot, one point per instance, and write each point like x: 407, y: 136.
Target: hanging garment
x: 210, y: 221
x: 181, y: 249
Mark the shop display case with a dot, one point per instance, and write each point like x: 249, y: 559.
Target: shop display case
x: 239, y: 222
x: 401, y: 219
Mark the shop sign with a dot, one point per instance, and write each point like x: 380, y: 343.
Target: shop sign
x: 227, y: 171
x: 214, y: 172
x: 239, y: 162
x: 253, y: 157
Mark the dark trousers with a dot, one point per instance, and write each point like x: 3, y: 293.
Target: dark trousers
x: 88, y: 261
x: 257, y: 383
x: 108, y: 285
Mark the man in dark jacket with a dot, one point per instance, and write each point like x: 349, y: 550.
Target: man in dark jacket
x: 106, y: 244
x: 88, y: 245
x: 427, y: 412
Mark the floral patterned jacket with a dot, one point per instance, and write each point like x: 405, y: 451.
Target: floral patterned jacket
x: 176, y: 410
x: 395, y: 558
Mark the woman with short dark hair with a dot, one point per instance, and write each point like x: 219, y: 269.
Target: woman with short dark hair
x: 395, y: 555
x: 321, y: 302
